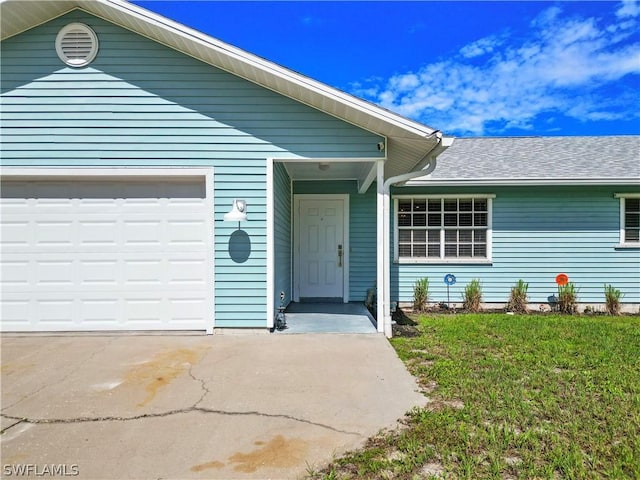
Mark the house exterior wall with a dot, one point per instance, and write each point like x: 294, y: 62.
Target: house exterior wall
x: 142, y: 104
x: 538, y: 232
x: 362, y: 231
x: 282, y: 235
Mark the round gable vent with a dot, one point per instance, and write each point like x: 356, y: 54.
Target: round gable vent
x: 77, y: 45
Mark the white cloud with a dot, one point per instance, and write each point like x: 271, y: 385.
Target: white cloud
x: 561, y: 69
x: 629, y: 8
x: 481, y: 47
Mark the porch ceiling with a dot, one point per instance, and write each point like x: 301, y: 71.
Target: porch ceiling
x: 327, y: 170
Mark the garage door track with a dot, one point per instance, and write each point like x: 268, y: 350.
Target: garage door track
x: 180, y: 406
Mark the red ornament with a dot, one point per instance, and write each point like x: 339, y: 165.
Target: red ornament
x: 562, y: 279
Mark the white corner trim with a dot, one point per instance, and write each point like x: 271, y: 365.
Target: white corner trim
x: 209, y: 185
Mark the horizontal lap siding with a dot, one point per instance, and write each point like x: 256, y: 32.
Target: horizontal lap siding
x: 363, y: 237
x: 142, y: 104
x: 282, y: 234
x: 538, y: 233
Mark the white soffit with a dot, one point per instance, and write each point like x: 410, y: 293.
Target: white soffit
x: 408, y: 141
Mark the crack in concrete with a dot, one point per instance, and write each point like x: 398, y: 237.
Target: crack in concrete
x: 203, y: 386
x: 194, y: 408
x: 12, y: 425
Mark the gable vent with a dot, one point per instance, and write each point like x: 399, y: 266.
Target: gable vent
x: 77, y: 45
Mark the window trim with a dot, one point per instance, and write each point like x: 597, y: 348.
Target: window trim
x: 622, y: 197
x: 444, y: 260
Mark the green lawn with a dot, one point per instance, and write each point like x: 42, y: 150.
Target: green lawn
x: 529, y: 396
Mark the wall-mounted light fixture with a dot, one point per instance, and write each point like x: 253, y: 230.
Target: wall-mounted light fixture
x: 381, y: 146
x: 238, y: 212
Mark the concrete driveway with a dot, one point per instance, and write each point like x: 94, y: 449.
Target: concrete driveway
x: 151, y: 407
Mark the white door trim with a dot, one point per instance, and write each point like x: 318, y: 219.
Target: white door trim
x: 296, y: 240
x: 123, y: 172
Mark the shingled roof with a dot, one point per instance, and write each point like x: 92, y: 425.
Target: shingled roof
x: 538, y: 160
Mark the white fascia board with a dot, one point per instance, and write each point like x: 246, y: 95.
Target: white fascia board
x: 267, y: 67
x: 492, y: 182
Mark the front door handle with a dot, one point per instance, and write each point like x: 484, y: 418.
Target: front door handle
x: 340, y: 255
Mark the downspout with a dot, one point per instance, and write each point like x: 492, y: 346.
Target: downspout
x: 424, y: 167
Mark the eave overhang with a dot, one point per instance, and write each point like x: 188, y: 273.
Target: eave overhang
x: 521, y: 182
x: 407, y: 141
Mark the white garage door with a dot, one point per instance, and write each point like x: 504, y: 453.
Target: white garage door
x: 116, y: 253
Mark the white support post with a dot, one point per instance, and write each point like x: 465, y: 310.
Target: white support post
x: 382, y: 267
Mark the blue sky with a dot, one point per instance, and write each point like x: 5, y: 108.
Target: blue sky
x: 467, y: 68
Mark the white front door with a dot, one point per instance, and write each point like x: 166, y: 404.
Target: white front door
x: 322, y: 248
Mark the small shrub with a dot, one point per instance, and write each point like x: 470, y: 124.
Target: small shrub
x: 420, y: 294
x: 472, y: 296
x: 567, y: 298
x: 612, y: 298
x: 519, y: 298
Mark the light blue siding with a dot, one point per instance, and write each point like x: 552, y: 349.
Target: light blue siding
x: 362, y: 231
x: 142, y: 104
x: 282, y: 234
x: 538, y: 233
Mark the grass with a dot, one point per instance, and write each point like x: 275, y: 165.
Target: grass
x: 514, y: 396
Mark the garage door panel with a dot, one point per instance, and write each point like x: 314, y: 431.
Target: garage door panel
x: 100, y: 232
x: 142, y: 232
x: 16, y: 233
x: 99, y: 260
x: 144, y: 272
x: 96, y: 273
x: 14, y: 273
x: 54, y: 233
x: 54, y: 273
x: 59, y: 311
x: 16, y: 313
x: 182, y: 232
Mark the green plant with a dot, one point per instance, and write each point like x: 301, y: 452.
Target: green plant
x: 420, y: 294
x: 472, y: 296
x: 612, y: 298
x: 518, y: 299
x: 568, y: 298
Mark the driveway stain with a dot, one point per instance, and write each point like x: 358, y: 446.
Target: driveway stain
x: 205, y: 466
x: 161, y: 370
x: 12, y: 368
x: 279, y: 452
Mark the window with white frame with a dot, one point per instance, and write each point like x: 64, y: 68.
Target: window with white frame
x: 629, y: 219
x: 443, y: 228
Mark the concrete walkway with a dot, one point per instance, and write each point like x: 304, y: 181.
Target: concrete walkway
x: 149, y: 407
x: 328, y: 318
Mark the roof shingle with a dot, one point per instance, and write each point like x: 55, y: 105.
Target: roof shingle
x: 605, y: 159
